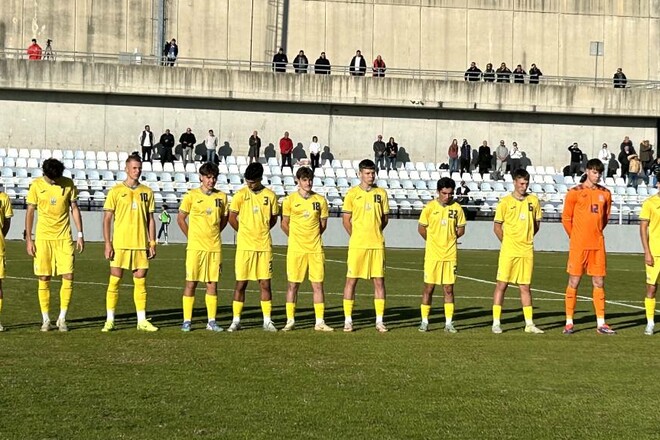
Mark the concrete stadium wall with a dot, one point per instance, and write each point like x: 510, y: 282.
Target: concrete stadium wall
x: 399, y: 233
x: 417, y: 34
x: 105, y: 106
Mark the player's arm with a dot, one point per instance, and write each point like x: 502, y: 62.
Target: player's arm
x: 223, y: 223
x: 421, y: 229
x: 107, y: 237
x: 284, y: 224
x: 181, y: 221
x: 384, y: 219
x: 77, y: 220
x: 6, y: 226
x: 537, y: 226
x: 29, y: 223
x: 273, y: 220
x: 498, y: 230
x: 460, y: 231
x: 233, y: 220
x: 151, y: 227
x: 608, y: 211
x: 567, y: 215
x: 644, y: 235
x: 323, y: 225
x: 346, y: 221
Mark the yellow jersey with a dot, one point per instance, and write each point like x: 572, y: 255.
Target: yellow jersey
x: 518, y: 218
x: 367, y: 209
x: 254, y: 212
x: 205, y: 214
x: 441, y: 223
x: 651, y: 212
x: 305, y: 216
x: 5, y: 213
x: 53, y: 203
x: 131, y: 208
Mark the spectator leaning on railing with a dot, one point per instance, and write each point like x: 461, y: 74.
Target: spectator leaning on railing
x: 280, y: 61
x: 473, y: 73
x: 379, y: 67
x: 534, y: 74
x: 171, y: 52
x: 358, y: 65
x: 300, y: 63
x: 34, y: 51
x: 489, y: 73
x: 620, y: 79
x: 322, y: 65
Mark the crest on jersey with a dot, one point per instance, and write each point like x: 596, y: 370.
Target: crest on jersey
x: 53, y: 201
x: 601, y: 198
x: 306, y: 214
x: 208, y: 211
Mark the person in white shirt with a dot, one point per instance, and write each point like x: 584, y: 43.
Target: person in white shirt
x: 147, y: 143
x: 516, y: 156
x: 314, y: 152
x: 604, y: 156
x: 211, y: 144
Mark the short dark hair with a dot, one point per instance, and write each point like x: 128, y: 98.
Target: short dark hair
x: 52, y: 168
x: 446, y: 182
x: 595, y: 164
x: 209, y: 169
x: 254, y: 171
x: 521, y: 173
x: 134, y: 157
x: 367, y: 164
x: 304, y: 173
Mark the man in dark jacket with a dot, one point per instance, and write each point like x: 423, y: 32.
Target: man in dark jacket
x: 576, y: 159
x: 170, y: 52
x: 473, y: 73
x: 255, y: 146
x: 188, y: 141
x: 503, y: 74
x: 167, y: 147
x: 322, y: 65
x: 620, y: 79
x: 280, y: 61
x: 534, y: 74
x: 300, y: 62
x: 519, y: 76
x: 380, y: 149
x: 466, y: 156
x: 358, y: 66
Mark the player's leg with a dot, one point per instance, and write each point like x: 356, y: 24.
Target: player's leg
x: 140, y: 296
x: 160, y: 231
x: 575, y: 268
x: 167, y: 233
x: 266, y: 304
x: 112, y: 297
x: 1, y: 298
x: 379, y: 302
x: 528, y: 309
x: 598, y: 297
x: 348, y: 302
x: 448, y: 290
x: 63, y: 252
x: 188, y: 302
x: 296, y: 267
x: 43, y: 268
x: 244, y: 268
x: 319, y: 307
x: 66, y: 290
x: 237, y: 304
x: 498, y: 300
x: 649, y: 305
x: 291, y: 299
x: 425, y: 307
x: 211, y: 301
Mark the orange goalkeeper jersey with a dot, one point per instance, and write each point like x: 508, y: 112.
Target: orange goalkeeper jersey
x: 586, y: 211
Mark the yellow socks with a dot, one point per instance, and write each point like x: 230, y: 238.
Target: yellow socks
x: 140, y: 297
x: 0, y: 305
x: 649, y: 305
x: 237, y: 309
x: 66, y: 290
x: 449, y: 312
x: 426, y: 312
x: 188, y: 304
x: 112, y: 296
x: 379, y: 305
x: 44, y: 298
x: 290, y: 311
x: 497, y: 314
x: 319, y: 312
x: 348, y: 310
x: 211, y: 306
x: 266, y: 309
x: 528, y: 313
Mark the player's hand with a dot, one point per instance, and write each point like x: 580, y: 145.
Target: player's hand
x: 109, y: 252
x: 80, y: 245
x: 31, y: 249
x: 648, y: 259
x: 151, y: 252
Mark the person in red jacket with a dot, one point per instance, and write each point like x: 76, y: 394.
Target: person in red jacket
x: 34, y: 51
x: 286, y: 149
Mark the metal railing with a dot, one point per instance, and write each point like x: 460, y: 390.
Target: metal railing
x: 262, y: 66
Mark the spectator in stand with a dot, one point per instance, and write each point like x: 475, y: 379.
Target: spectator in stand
x: 300, y: 62
x: 655, y: 172
x: 634, y: 167
x: 624, y: 161
x: 646, y: 155
x: 34, y: 51
x: 380, y: 150
x: 484, y: 158
x: 501, y: 157
x: 519, y: 76
x: 462, y: 194
x: 314, y: 152
x: 379, y: 67
x: 211, y: 144
x: 48, y: 51
x: 358, y: 66
x: 322, y: 65
x: 473, y: 73
x: 576, y: 159
x: 280, y: 61
x: 503, y: 74
x: 188, y: 141
x: 466, y: 156
x: 627, y: 143
x: 489, y: 73
x: 619, y: 79
x: 147, y: 143
x: 452, y: 155
x: 286, y: 150
x: 167, y: 147
x: 392, y: 152
x: 516, y: 158
x: 255, y: 145
x: 171, y: 52
x: 604, y: 156
x: 534, y: 74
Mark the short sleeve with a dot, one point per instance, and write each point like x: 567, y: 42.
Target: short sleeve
x: 348, y: 202
x: 152, y: 202
x: 32, y: 195
x: 499, y: 212
x: 386, y: 204
x: 538, y: 212
x: 235, y: 204
x: 286, y: 207
x: 274, y: 206
x: 73, y: 195
x: 109, y: 204
x: 8, y: 211
x: 461, y: 220
x: 225, y: 207
x: 424, y: 216
x: 324, y: 208
x: 186, y: 203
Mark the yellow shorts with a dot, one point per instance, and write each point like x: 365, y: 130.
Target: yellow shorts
x: 652, y: 272
x: 439, y: 272
x: 203, y: 266
x: 366, y: 263
x: 53, y: 257
x: 3, y: 262
x: 254, y: 265
x: 130, y: 259
x: 516, y: 270
x: 298, y: 263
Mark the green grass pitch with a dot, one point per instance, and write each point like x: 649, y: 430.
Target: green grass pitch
x: 306, y: 385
